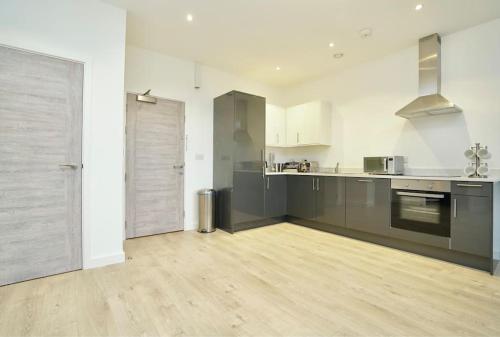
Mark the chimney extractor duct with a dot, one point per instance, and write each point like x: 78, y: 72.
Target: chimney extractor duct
x: 430, y: 101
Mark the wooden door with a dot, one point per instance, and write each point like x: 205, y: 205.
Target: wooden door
x: 155, y: 167
x: 40, y: 165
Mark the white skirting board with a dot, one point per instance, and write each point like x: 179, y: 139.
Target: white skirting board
x: 101, y: 261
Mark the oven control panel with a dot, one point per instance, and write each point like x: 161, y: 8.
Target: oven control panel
x: 421, y: 185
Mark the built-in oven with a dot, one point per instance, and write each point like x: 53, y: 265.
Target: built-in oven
x: 421, y: 206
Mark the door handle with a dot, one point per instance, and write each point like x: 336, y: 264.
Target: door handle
x: 454, y: 208
x: 262, y: 157
x: 365, y: 181
x: 469, y: 185
x: 421, y: 195
x: 314, y: 187
x: 317, y: 184
x: 181, y: 166
x: 267, y: 182
x: 68, y: 165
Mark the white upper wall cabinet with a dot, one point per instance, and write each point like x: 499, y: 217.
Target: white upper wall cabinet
x: 309, y: 124
x: 275, y: 126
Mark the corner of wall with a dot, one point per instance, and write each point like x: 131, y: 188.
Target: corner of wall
x: 104, y: 260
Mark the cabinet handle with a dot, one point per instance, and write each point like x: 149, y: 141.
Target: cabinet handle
x: 277, y: 138
x: 267, y: 182
x: 454, y: 208
x: 297, y: 137
x: 365, y: 181
x: 263, y: 164
x: 317, y: 184
x: 314, y: 188
x: 469, y: 185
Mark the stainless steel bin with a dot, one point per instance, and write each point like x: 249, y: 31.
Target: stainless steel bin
x: 206, y: 202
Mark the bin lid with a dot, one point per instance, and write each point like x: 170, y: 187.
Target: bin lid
x: 206, y: 191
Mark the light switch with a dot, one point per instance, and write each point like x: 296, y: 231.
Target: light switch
x: 199, y: 156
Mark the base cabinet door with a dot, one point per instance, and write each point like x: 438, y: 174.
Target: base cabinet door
x: 300, y: 196
x: 368, y: 204
x: 471, y: 224
x: 276, y: 196
x: 330, y: 201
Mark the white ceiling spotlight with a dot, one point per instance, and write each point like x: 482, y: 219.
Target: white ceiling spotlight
x: 338, y: 55
x: 365, y: 33
x: 189, y: 17
x: 278, y: 68
x: 331, y: 45
x: 419, y: 7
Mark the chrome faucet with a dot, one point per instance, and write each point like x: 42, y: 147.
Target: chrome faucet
x: 337, y: 168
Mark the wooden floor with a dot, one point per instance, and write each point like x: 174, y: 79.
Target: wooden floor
x: 281, y: 280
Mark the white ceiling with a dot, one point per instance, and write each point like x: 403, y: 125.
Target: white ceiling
x: 252, y: 37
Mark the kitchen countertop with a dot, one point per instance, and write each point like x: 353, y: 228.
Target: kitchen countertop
x: 492, y: 179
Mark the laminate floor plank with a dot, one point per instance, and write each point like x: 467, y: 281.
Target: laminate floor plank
x: 281, y: 280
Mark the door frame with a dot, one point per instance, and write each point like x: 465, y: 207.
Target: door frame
x: 62, y: 54
x: 183, y: 107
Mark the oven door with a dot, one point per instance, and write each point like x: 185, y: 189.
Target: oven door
x: 424, y: 212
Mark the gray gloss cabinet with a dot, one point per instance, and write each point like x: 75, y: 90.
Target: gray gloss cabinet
x: 276, y: 197
x: 320, y: 199
x: 472, y: 219
x: 330, y: 200
x: 238, y: 160
x: 300, y: 197
x: 368, y: 204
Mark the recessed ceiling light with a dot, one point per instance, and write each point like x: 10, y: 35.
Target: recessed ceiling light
x: 338, y: 55
x: 331, y: 44
x: 365, y: 33
x: 189, y: 17
x: 278, y: 68
x: 419, y: 7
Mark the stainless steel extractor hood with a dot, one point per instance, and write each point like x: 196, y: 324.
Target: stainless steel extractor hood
x: 430, y: 101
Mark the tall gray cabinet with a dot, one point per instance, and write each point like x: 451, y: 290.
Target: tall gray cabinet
x: 239, y: 166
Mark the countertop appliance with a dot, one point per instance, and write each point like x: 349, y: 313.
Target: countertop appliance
x: 291, y: 166
x: 308, y: 166
x: 430, y: 102
x: 421, y: 206
x: 384, y: 165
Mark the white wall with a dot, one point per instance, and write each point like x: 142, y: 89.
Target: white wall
x: 173, y: 78
x: 92, y: 32
x: 366, y: 97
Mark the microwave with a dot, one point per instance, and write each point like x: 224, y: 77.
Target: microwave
x: 384, y: 165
